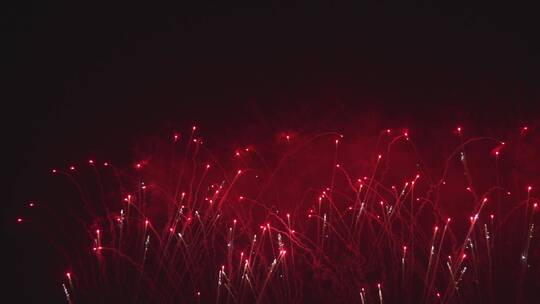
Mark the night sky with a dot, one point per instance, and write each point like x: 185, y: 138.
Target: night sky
x: 90, y: 79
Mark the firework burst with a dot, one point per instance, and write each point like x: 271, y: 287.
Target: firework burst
x: 311, y: 219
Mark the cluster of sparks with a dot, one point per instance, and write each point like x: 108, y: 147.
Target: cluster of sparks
x: 210, y: 234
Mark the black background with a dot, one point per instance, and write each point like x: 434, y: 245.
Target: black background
x: 88, y: 79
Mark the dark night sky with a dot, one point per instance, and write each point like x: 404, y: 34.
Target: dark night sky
x: 82, y: 79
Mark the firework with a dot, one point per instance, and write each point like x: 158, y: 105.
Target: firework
x: 307, y: 222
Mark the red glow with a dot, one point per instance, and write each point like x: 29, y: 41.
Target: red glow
x: 406, y: 132
x: 341, y: 210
